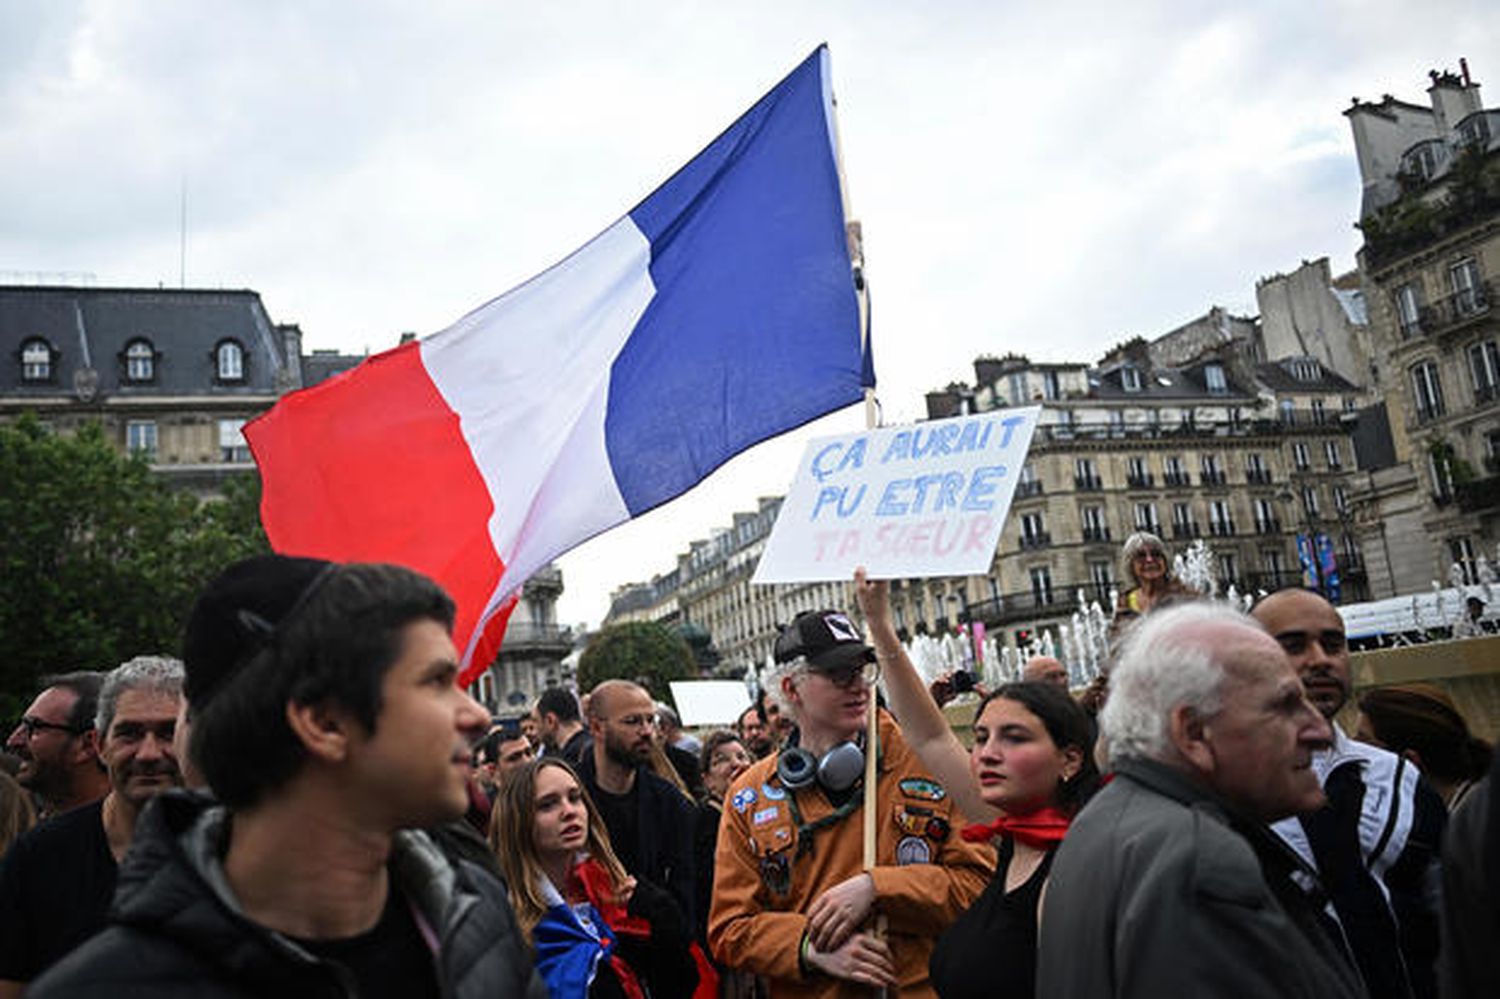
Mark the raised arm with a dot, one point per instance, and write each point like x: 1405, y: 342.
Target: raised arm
x: 923, y: 723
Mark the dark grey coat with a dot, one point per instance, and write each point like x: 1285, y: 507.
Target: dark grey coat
x: 1160, y: 892
x: 177, y: 930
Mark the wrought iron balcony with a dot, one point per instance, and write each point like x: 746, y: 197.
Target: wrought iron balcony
x: 1178, y: 479
x: 1212, y: 478
x: 1189, y: 529
x: 1030, y: 542
x: 1143, y: 481
x: 1221, y: 528
x: 1265, y: 525
x: 1486, y: 393
x: 1095, y: 534
x: 1478, y: 494
x: 1457, y: 310
x: 1258, y: 476
x: 1087, y: 483
x: 1032, y: 488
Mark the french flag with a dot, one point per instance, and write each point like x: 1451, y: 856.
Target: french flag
x: 721, y: 311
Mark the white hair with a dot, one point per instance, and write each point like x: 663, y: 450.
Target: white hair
x: 161, y: 674
x: 770, y: 680
x: 1169, y: 659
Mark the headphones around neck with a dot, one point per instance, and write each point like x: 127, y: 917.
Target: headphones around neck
x: 836, y: 771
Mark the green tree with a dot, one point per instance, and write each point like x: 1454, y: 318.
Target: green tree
x: 644, y: 651
x: 99, y: 559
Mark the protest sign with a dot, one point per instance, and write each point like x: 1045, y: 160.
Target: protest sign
x: 709, y: 702
x: 922, y: 500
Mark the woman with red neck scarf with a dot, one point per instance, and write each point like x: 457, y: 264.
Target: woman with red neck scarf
x: 1031, y: 769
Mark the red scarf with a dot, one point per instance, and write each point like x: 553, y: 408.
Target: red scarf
x: 600, y: 890
x: 1043, y: 828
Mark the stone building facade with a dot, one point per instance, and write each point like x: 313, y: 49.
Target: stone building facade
x: 1430, y: 214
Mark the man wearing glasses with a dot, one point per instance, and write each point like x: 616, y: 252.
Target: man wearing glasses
x: 58, y: 880
x: 792, y: 901
x: 650, y: 822
x: 57, y: 746
x: 1376, y: 843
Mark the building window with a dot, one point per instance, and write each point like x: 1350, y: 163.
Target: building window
x: 1299, y: 456
x: 1428, y: 390
x: 1041, y: 585
x: 1099, y: 576
x: 1220, y: 523
x: 232, y: 446
x: 1461, y: 550
x: 1213, y: 472
x: 1310, y: 500
x: 1138, y: 472
x: 36, y: 361
x: 1173, y: 471
x: 1018, y: 394
x: 1270, y: 561
x: 1331, y: 453
x: 1288, y: 413
x: 1256, y: 472
x: 1441, y: 470
x: 1340, y: 499
x: 1182, y: 521
x: 1033, y: 530
x: 1265, y: 517
x: 1319, y: 414
x: 1306, y: 369
x: 1145, y: 518
x: 1468, y: 291
x: 1228, y: 567
x: 1050, y: 387
x: 229, y: 359
x: 1484, y: 366
x: 140, y: 438
x: 1116, y: 418
x: 1130, y: 379
x: 1408, y: 310
x: 1086, y: 474
x: 1093, y: 524
x: 1213, y: 377
x: 140, y: 361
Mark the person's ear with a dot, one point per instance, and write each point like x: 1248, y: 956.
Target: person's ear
x: 1072, y: 763
x: 325, y: 732
x: 88, y: 746
x: 1189, y: 736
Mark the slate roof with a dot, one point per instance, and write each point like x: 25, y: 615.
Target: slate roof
x: 91, y: 327
x: 1162, y: 384
x: 1277, y: 378
x: 321, y: 365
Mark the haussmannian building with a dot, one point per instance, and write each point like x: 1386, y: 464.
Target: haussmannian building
x: 1430, y: 214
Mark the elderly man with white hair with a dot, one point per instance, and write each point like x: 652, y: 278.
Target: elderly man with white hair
x: 1170, y: 882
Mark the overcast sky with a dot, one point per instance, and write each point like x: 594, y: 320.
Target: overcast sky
x: 1046, y: 178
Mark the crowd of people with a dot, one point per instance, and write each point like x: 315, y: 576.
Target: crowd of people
x: 307, y: 803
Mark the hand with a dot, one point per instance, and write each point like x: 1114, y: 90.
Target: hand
x: 863, y: 958
x: 839, y: 911
x: 874, y: 599
x: 626, y: 890
x: 941, y: 689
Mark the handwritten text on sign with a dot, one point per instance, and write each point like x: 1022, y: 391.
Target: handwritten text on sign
x: 923, y: 500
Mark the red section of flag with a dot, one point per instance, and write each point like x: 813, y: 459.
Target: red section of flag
x: 370, y: 466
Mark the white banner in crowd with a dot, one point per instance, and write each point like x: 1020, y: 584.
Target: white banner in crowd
x: 912, y: 501
x: 709, y: 702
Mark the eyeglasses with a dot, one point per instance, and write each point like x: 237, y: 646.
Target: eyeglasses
x: 35, y: 725
x: 637, y: 721
x: 1148, y: 553
x: 846, y: 675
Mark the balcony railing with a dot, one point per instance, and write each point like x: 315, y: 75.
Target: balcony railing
x: 1012, y: 607
x: 1457, y: 309
x: 1221, y: 528
x: 1212, y: 478
x: 1032, y: 488
x: 1030, y: 542
x: 1095, y: 534
x: 1087, y: 483
x: 1267, y: 526
x: 1186, y: 530
x: 1151, y: 527
x: 1258, y: 476
x: 1478, y: 494
x: 1143, y: 481
x: 1426, y: 414
x: 1177, y: 479
x: 1486, y: 393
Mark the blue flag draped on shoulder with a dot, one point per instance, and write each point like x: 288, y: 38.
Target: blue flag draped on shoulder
x: 720, y: 312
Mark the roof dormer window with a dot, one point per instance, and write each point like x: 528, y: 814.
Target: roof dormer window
x: 1130, y: 379
x: 1213, y: 377
x: 1306, y: 369
x: 36, y: 361
x: 229, y: 361
x: 140, y: 361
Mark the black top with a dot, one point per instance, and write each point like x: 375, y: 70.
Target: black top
x: 621, y: 815
x: 389, y: 960
x: 56, y: 884
x: 991, y: 949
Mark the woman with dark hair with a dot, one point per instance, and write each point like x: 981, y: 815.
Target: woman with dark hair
x: 597, y: 931
x: 1421, y: 722
x: 722, y: 759
x: 1031, y: 769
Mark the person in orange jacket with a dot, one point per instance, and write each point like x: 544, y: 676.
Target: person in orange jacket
x: 792, y: 901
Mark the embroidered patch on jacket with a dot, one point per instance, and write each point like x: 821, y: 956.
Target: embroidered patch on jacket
x: 772, y: 792
x: 913, y: 850
x: 766, y: 815
x: 743, y: 798
x: 920, y: 787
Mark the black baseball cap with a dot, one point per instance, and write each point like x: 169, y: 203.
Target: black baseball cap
x: 828, y: 639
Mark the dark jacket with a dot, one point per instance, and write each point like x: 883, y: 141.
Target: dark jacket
x: 664, y: 830
x: 176, y: 928
x: 1160, y: 890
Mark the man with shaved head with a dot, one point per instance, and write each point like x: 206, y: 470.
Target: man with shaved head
x: 650, y: 822
x: 1045, y: 669
x: 1170, y: 883
x: 1376, y: 844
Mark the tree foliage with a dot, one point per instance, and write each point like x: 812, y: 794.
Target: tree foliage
x: 99, y: 559
x: 644, y: 651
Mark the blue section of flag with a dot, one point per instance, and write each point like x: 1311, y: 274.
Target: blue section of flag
x: 754, y: 327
